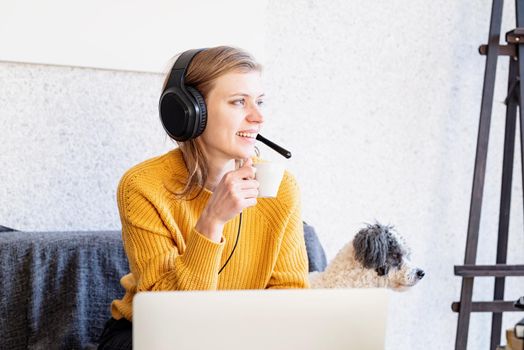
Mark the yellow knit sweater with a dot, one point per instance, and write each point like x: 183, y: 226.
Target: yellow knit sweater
x: 165, y: 251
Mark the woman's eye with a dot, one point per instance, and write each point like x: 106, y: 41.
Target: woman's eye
x: 260, y: 103
x: 239, y: 102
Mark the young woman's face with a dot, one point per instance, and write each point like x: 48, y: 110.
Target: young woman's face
x: 233, y: 106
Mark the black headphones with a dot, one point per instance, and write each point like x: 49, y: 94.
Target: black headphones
x: 182, y: 108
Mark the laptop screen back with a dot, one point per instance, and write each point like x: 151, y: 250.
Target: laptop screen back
x: 261, y: 319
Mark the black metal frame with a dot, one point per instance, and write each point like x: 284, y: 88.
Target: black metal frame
x: 468, y: 271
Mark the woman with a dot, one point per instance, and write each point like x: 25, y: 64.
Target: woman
x: 180, y: 211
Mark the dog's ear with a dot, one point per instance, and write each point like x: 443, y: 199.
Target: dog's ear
x: 371, y: 246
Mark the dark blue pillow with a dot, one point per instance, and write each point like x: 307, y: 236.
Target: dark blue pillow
x: 315, y: 252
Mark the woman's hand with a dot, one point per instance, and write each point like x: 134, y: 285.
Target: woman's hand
x: 237, y: 190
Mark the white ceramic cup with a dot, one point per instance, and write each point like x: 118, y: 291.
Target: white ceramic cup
x: 269, y: 175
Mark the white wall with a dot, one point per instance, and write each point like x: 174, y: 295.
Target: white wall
x: 133, y: 35
x: 379, y: 103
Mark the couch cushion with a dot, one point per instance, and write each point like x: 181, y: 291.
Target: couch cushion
x: 58, y: 286
x: 315, y: 252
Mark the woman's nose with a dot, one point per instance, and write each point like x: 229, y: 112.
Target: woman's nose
x: 255, y: 115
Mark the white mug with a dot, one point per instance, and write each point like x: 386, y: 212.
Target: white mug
x: 269, y: 175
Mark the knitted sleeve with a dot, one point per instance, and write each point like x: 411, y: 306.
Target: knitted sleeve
x: 291, y: 268
x: 160, y: 259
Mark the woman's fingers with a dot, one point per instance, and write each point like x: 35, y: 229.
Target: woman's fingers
x: 248, y: 184
x: 237, y: 190
x: 251, y: 202
x: 247, y: 171
x: 250, y: 193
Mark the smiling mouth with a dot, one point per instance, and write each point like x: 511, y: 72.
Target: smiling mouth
x: 247, y: 135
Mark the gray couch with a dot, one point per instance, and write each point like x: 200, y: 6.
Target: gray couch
x: 57, y: 286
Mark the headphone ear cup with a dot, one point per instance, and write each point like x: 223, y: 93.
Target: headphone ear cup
x: 173, y: 115
x: 202, y: 116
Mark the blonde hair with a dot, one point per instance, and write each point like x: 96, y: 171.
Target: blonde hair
x: 202, y: 72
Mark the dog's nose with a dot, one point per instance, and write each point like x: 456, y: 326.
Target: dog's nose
x: 420, y: 273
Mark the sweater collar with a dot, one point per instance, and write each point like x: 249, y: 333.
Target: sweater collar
x: 179, y: 174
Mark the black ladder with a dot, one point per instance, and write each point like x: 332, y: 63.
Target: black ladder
x: 515, y: 50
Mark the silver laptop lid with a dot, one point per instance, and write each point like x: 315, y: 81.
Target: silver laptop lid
x: 261, y: 319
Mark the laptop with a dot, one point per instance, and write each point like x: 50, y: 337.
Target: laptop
x: 291, y: 319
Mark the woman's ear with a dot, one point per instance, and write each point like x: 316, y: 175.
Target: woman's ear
x: 371, y: 247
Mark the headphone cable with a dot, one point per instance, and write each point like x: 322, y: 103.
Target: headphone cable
x: 235, y: 246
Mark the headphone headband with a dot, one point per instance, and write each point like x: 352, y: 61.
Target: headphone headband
x: 178, y: 72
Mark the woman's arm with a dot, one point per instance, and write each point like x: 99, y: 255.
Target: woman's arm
x: 160, y: 259
x: 291, y: 269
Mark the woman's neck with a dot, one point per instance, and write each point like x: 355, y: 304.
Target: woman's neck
x: 217, y: 169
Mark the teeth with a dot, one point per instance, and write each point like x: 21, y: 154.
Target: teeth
x: 247, y: 134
